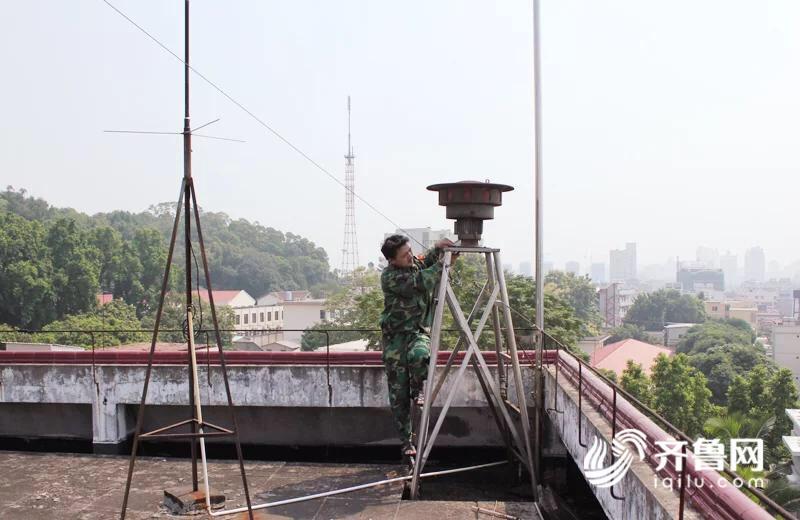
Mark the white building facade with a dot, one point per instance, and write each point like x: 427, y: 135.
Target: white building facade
x: 786, y: 349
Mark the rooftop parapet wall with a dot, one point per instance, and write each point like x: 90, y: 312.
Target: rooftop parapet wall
x: 266, y: 393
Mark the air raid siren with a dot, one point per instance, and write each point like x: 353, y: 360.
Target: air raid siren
x: 469, y: 203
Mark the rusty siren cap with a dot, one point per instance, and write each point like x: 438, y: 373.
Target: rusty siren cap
x: 469, y: 203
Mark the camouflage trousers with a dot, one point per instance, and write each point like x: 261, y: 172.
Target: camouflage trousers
x: 405, y: 358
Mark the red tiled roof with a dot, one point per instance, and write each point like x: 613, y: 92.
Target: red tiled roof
x: 220, y: 297
x: 615, y: 356
x: 104, y: 298
x: 295, y: 295
x: 145, y: 347
x: 161, y: 346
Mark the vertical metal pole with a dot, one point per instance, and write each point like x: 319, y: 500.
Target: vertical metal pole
x: 537, y: 103
x: 187, y: 226
x: 520, y: 387
x: 614, y: 434
x: 580, y: 404
x: 684, y: 468
x: 436, y: 335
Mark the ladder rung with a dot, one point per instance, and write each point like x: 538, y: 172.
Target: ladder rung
x: 513, y: 407
x: 187, y: 435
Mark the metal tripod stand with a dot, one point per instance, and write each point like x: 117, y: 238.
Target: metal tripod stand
x: 200, y: 429
x: 516, y: 429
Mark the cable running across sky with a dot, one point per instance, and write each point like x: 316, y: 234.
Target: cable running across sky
x: 260, y: 121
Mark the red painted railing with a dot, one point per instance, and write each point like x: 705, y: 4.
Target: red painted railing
x: 711, y: 500
x: 233, y: 357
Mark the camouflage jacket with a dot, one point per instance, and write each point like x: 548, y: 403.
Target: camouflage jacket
x: 408, y: 294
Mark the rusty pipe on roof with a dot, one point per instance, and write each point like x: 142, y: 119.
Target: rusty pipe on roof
x: 352, y: 488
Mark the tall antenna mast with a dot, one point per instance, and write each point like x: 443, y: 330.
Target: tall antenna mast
x: 199, y: 429
x: 350, y: 247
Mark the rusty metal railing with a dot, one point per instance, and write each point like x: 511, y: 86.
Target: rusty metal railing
x: 763, y: 500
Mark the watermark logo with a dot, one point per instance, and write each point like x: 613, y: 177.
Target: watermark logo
x: 603, y: 477
x: 708, y: 454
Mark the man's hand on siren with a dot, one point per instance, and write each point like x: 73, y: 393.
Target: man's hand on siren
x: 446, y: 242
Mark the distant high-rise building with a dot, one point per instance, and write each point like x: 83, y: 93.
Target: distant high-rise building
x: 730, y: 266
x: 774, y: 270
x: 754, y: 265
x: 598, y: 272
x: 525, y: 269
x: 707, y: 257
x: 622, y: 264
x: 572, y: 267
x: 697, y: 279
x: 546, y: 267
x: 614, y: 302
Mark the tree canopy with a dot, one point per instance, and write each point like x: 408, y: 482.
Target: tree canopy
x: 628, y: 331
x: 655, y: 309
x: 54, y: 261
x: 680, y: 393
x: 360, y: 305
x: 722, y: 350
x: 579, y: 293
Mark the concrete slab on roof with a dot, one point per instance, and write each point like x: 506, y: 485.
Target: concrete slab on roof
x: 47, y: 485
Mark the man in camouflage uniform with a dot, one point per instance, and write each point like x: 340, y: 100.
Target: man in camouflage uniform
x: 407, y: 284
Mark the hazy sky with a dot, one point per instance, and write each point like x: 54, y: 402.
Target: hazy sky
x: 672, y: 124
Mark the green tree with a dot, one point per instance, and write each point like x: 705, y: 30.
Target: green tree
x: 784, y: 493
x: 653, y: 310
x: 173, y: 318
x: 636, y: 382
x: 11, y: 334
x: 126, y: 280
x: 29, y: 208
x: 681, y: 395
x: 757, y: 383
x: 722, y: 363
x: 559, y: 319
x: 736, y: 426
x: 318, y: 335
x: 151, y: 252
x: 75, y: 275
x: 357, y: 305
x: 114, y: 316
x: 781, y: 395
x: 608, y: 374
x: 701, y: 338
x: 628, y: 331
x: 106, y: 249
x: 27, y: 297
x: 738, y: 396
x: 579, y: 293
x: 242, y: 254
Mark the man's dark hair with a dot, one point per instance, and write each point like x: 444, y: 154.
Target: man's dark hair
x: 392, y: 244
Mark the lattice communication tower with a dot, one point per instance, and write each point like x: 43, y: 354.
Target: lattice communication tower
x: 350, y: 247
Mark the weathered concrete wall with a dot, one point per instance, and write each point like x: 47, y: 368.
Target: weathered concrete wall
x: 46, y: 420
x: 276, y: 404
x: 640, y: 498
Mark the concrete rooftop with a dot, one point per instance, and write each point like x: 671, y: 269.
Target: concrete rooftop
x: 44, y: 486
